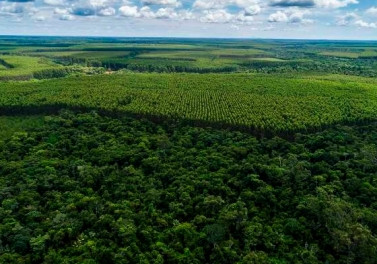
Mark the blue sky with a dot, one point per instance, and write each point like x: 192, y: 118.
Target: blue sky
x: 305, y: 19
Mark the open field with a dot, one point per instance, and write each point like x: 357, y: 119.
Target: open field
x: 23, y: 66
x: 352, y: 54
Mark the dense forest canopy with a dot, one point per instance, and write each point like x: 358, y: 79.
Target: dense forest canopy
x: 89, y: 189
x: 150, y: 150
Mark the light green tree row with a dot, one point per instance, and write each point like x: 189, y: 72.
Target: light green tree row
x: 256, y: 102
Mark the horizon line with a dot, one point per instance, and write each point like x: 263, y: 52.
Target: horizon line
x: 162, y: 37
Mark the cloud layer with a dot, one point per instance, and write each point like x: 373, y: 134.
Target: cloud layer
x: 283, y: 15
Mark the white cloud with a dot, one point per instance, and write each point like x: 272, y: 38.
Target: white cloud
x: 12, y: 9
x: 361, y: 23
x: 220, y: 4
x: 245, y: 3
x: 313, y: 3
x: 40, y: 18
x: 216, y: 11
x: 235, y: 27
x: 298, y: 17
x: 174, y: 3
x: 186, y: 15
x: 347, y: 19
x: 209, y: 4
x: 223, y: 16
x: 32, y: 10
x: 335, y: 3
x: 61, y: 11
x: 97, y: 3
x: 166, y: 13
x: 161, y: 13
x: 146, y: 12
x: 255, y: 13
x: 109, y: 11
x: 129, y: 11
x: 293, y: 15
x: 67, y: 17
x: 243, y: 18
x: 372, y: 10
x: 54, y: 2
x: 216, y: 16
x: 279, y: 16
x: 253, y: 10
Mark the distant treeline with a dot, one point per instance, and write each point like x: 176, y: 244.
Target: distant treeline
x: 43, y: 74
x: 169, y: 68
x: 52, y: 45
x: 118, y: 65
x: 51, y: 73
x: 361, y: 67
x: 317, y: 66
x: 140, y: 49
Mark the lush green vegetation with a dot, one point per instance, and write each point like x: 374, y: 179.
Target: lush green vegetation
x: 89, y: 189
x: 151, y: 159
x: 12, y: 124
x: 258, y: 103
x: 201, y: 55
x: 23, y: 67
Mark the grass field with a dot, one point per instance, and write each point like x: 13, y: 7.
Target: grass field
x: 81, y: 54
x: 344, y: 54
x: 351, y: 54
x: 24, y: 66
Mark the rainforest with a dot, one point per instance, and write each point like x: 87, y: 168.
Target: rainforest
x: 162, y: 150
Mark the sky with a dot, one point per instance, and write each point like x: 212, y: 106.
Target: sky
x: 278, y: 19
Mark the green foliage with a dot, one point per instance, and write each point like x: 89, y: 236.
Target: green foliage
x: 259, y: 103
x: 201, y: 56
x: 23, y: 67
x: 89, y: 189
x: 51, y: 73
x: 10, y: 125
x: 89, y: 185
